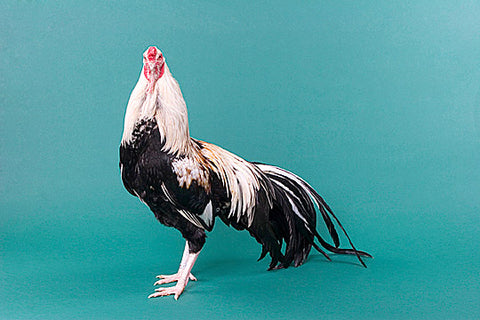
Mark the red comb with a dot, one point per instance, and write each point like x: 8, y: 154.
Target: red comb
x: 151, y: 53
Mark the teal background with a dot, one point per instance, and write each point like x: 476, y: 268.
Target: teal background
x: 376, y: 104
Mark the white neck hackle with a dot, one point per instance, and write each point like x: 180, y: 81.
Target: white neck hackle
x: 166, y: 104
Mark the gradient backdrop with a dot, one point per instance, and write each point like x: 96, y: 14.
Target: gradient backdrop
x: 376, y: 104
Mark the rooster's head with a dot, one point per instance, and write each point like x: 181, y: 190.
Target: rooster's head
x: 153, y: 66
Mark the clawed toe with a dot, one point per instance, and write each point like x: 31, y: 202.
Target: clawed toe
x: 166, y: 279
x: 175, y: 290
x: 171, y: 278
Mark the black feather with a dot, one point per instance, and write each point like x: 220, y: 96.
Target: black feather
x: 298, y: 227
x: 145, y: 168
x: 291, y: 218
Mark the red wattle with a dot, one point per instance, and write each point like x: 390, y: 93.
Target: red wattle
x: 162, y: 71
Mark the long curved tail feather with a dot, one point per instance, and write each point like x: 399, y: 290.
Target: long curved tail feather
x: 294, y: 215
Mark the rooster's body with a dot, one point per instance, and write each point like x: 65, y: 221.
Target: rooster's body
x: 187, y: 183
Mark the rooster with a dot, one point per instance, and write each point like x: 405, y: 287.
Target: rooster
x: 187, y: 183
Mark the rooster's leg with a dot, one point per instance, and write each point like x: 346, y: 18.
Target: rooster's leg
x: 182, y: 276
x: 176, y: 276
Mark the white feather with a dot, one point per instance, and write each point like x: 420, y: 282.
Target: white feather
x: 187, y: 170
x: 166, y: 104
x: 207, y: 215
x: 241, y: 179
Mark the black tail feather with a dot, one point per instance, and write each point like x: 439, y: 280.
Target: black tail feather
x: 333, y: 249
x: 329, y: 247
x: 293, y: 217
x: 264, y: 253
x: 330, y: 226
x: 321, y: 251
